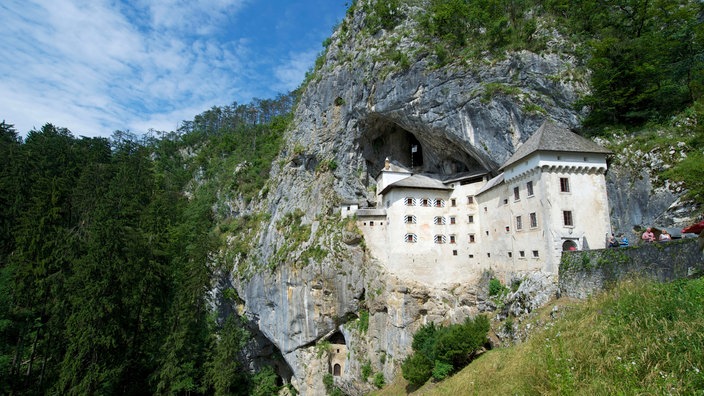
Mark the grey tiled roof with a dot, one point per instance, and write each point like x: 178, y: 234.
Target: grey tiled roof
x: 417, y: 181
x: 552, y: 137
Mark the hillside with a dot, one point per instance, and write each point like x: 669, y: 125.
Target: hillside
x: 637, y: 338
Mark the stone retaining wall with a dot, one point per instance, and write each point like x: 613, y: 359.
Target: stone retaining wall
x: 583, y: 273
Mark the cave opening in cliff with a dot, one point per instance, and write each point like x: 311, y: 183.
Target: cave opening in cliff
x: 421, y: 151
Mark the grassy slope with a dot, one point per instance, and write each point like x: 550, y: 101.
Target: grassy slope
x: 638, y: 338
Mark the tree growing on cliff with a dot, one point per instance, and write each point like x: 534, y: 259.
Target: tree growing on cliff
x: 440, y: 351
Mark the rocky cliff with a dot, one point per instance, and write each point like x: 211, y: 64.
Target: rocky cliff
x: 308, y: 285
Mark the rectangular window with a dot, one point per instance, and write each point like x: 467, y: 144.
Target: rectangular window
x: 440, y: 239
x: 564, y: 184
x: 439, y: 220
x: 519, y: 223
x: 567, y: 218
x: 505, y: 201
x: 453, y: 202
x: 470, y: 218
x: 533, y: 220
x: 454, y: 252
x: 424, y: 202
x: 439, y: 203
x: 529, y: 187
x: 472, y: 239
x: 470, y: 199
x: 453, y: 239
x: 453, y: 220
x: 371, y: 224
x: 510, y: 254
x: 535, y: 253
x: 410, y: 201
x: 516, y: 194
x: 409, y: 219
x: 471, y: 256
x: 522, y: 253
x: 411, y: 238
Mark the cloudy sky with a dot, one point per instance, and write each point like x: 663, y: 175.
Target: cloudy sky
x: 96, y: 66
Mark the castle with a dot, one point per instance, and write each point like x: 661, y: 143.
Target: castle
x: 550, y: 196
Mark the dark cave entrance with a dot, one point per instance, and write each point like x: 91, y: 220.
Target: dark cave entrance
x: 424, y: 151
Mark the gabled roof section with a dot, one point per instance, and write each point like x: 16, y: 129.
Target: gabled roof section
x: 492, y: 183
x: 552, y: 137
x: 417, y: 181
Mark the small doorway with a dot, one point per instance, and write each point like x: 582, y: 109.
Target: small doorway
x: 569, y: 245
x: 336, y: 370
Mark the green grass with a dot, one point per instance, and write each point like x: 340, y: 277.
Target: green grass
x: 638, y: 338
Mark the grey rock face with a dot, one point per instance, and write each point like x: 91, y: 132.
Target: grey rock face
x: 359, y: 110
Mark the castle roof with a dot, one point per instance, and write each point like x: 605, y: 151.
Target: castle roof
x: 492, y: 183
x: 552, y: 137
x: 417, y: 181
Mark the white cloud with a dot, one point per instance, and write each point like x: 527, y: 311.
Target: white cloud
x: 85, y: 66
x: 290, y: 74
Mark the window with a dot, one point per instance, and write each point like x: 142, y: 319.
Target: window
x: 453, y: 202
x: 516, y: 194
x: 471, y: 256
x: 409, y: 219
x: 454, y: 252
x: 371, y: 224
x: 440, y: 239
x: 424, y: 202
x: 519, y: 223
x: 410, y: 201
x: 564, y: 184
x: 411, y: 238
x: 472, y: 239
x: 533, y: 220
x: 567, y: 218
x: 439, y: 203
x: 487, y: 233
x: 470, y: 199
x: 529, y: 187
x: 470, y: 218
x: 439, y: 220
x: 453, y: 239
x: 522, y: 253
x: 510, y: 254
x: 488, y: 254
x: 505, y: 201
x: 535, y: 253
x: 453, y: 220
x: 485, y: 209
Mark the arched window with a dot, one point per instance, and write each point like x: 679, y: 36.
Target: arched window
x: 569, y: 245
x: 337, y: 370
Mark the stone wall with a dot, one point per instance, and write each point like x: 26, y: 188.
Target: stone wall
x: 583, y: 273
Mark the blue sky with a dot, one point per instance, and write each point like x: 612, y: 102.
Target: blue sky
x: 96, y: 66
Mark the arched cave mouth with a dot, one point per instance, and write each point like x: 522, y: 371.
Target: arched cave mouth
x: 420, y: 151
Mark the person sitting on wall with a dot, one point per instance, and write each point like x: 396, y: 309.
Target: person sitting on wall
x: 648, y: 235
x: 624, y: 240
x: 612, y: 241
x: 665, y: 236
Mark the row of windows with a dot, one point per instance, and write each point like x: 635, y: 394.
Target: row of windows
x: 564, y: 187
x: 437, y: 202
x: 437, y: 220
x: 439, y: 238
x: 427, y: 202
x: 533, y: 218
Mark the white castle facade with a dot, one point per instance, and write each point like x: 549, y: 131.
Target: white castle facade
x: 550, y: 197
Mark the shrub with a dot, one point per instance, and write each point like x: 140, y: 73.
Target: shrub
x: 439, y: 351
x: 496, y: 288
x: 417, y: 369
x: 366, y: 370
x: 379, y: 380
